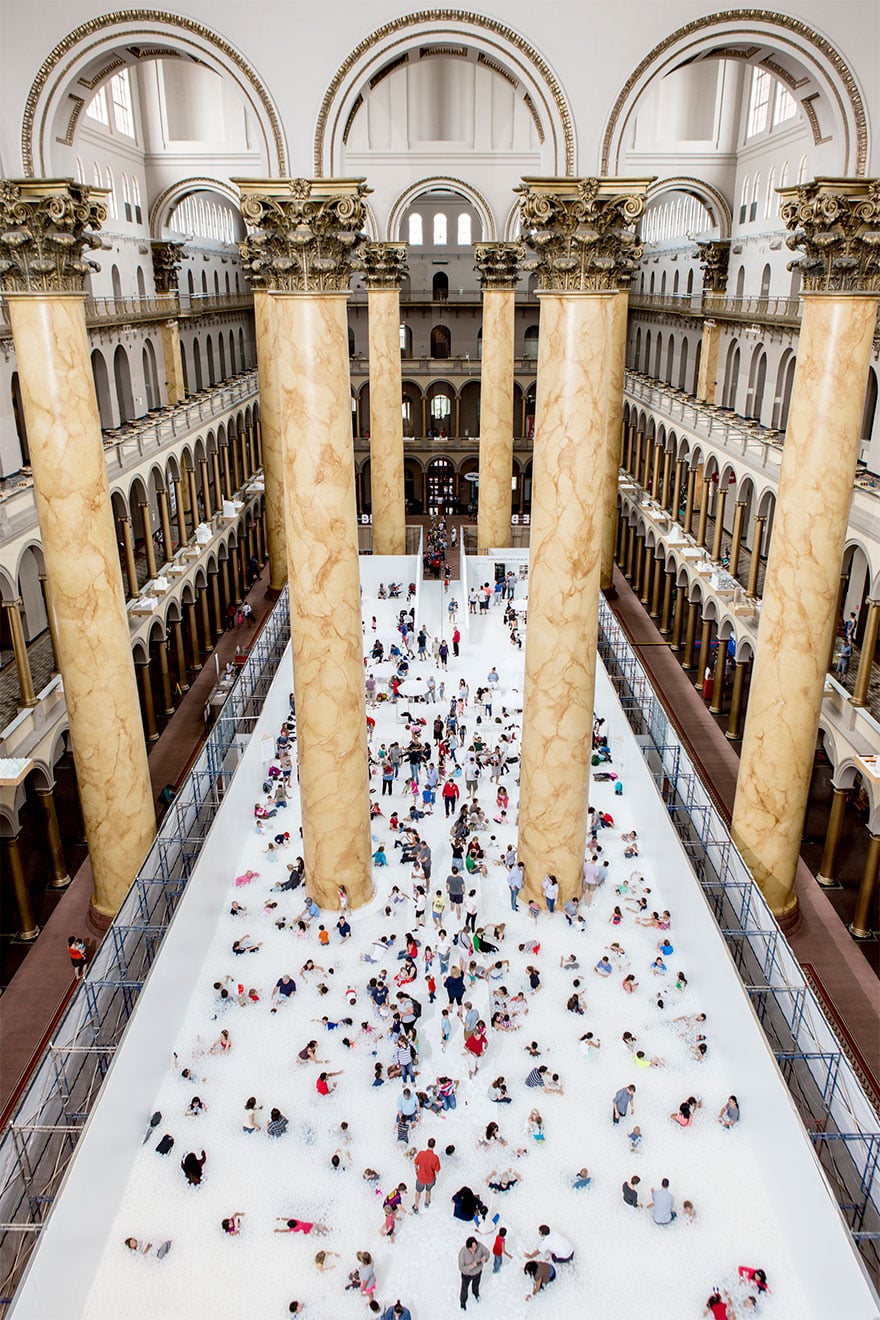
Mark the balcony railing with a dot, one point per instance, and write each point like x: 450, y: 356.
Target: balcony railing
x: 450, y: 366
x: 778, y: 311
x: 153, y: 307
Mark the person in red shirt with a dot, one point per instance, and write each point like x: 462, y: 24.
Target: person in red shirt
x: 427, y: 1166
x: 716, y: 1307
x: 324, y: 1085
x: 476, y: 1044
x: 456, y: 639
x: 451, y: 793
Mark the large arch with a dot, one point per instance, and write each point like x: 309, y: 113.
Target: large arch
x: 823, y: 84
x: 494, y: 41
x: 88, y: 54
x: 712, y: 198
x: 163, y: 207
x: 440, y: 183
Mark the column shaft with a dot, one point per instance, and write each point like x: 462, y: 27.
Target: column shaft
x: 193, y: 497
x: 165, y: 523
x: 736, y: 537
x: 664, y: 483
x: 708, y: 373
x: 496, y: 420
x: 214, y: 575
x: 20, y: 653
x: 60, y: 874
x: 566, y: 542
x: 827, y: 876
x: 128, y: 548
x: 616, y: 367
x: 704, y: 514
x: 175, y: 387
x: 860, y: 926
x: 647, y: 570
x: 179, y: 655
x: 734, y: 724
x: 755, y: 565
x: 311, y: 362
x: 207, y: 640
x: 718, y: 538
x: 228, y: 487
x: 148, y: 709
x: 206, y: 489
x: 149, y: 550
x: 690, y: 636
x: 273, y: 458
x: 27, y: 927
x: 666, y: 608
x: 50, y: 615
x: 678, y: 478
x: 192, y: 621
x: 690, y: 500
x: 705, y: 653
x: 386, y: 423
x: 655, y: 594
x: 798, y: 613
x: 79, y: 546
x: 678, y: 620
x: 165, y: 676
x: 866, y: 656
x: 182, y: 538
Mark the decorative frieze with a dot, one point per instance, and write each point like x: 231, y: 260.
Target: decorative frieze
x: 582, y: 232
x: 303, y: 233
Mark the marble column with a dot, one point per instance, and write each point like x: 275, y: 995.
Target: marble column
x: 179, y: 655
x: 385, y: 270
x: 273, y: 459
x: 658, y: 584
x: 148, y: 711
x: 498, y: 267
x: 690, y: 635
x: 179, y: 511
x: 580, y: 230
x: 718, y: 538
x: 647, y: 570
x: 13, y: 869
x: 716, y: 705
x: 214, y: 575
x: 207, y: 639
x: 60, y: 874
x: 637, y: 461
x: 228, y: 485
x: 149, y: 548
x: 167, y: 259
x: 705, y: 653
x: 827, y: 876
x: 690, y: 500
x: 835, y: 222
x: 50, y: 617
x: 736, y: 537
x: 704, y: 513
x: 866, y: 655
x: 192, y: 624
x: 755, y: 562
x: 666, y: 607
x: 128, y: 551
x: 675, y: 501
x: 45, y: 225
x: 193, y: 497
x: 20, y: 652
x: 218, y: 480
x: 165, y: 524
x: 304, y: 235
x: 165, y: 678
x: 616, y: 368
x: 206, y: 489
x: 860, y: 926
x: 733, y: 731
x: 714, y: 258
x: 665, y: 492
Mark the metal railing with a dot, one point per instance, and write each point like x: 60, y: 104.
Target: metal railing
x: 777, y: 311
x: 823, y: 1083
x: 41, y: 1138
x: 151, y: 307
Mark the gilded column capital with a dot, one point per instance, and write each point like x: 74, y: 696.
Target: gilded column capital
x: 167, y: 258
x: 581, y: 231
x: 836, y: 223
x: 714, y: 257
x: 303, y: 233
x: 384, y: 265
x: 44, y: 226
x: 499, y: 265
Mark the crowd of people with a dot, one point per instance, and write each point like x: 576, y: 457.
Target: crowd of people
x: 405, y: 1024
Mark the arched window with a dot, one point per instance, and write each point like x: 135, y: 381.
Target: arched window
x: 756, y: 188
x: 102, y: 390
x: 765, y: 281
x: 731, y: 376
x: 440, y: 287
x: 142, y: 284
x: 802, y: 170
x: 136, y: 199
x: 98, y: 107
x: 770, y: 200
x: 744, y: 196
x: 96, y: 175
x: 111, y: 200
x: 870, y: 408
x: 783, y: 175
x: 120, y: 95
x: 126, y: 197
x: 530, y: 342
x: 759, y: 101
x: 740, y: 281
x: 151, y: 377
x: 116, y: 281
x: 80, y: 172
x: 441, y: 342
x: 414, y: 225
x: 440, y: 229
x: 122, y: 376
x: 406, y: 340
x: 464, y: 230
x: 638, y: 349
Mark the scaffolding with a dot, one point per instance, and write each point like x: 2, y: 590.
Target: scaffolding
x: 41, y: 1138
x: 821, y: 1079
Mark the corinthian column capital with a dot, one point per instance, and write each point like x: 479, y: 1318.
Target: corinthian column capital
x: 384, y: 265
x: 44, y: 226
x: 303, y: 233
x: 167, y: 258
x: 836, y: 225
x: 714, y: 258
x: 582, y: 232
x: 499, y: 265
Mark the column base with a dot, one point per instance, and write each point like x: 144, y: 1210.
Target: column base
x: 734, y: 737
x: 858, y: 704
x: 827, y: 883
x: 862, y: 936
x: 272, y: 593
x: 151, y: 738
x: 26, y: 936
x: 790, y: 919
x: 60, y: 884
x: 97, y: 921
x: 170, y: 710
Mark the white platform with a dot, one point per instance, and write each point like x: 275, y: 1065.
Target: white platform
x: 760, y: 1196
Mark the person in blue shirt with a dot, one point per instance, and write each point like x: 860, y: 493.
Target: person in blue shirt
x: 397, y: 1312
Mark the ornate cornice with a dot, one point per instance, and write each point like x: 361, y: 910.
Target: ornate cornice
x: 44, y: 226
x: 836, y: 222
x: 384, y: 265
x: 499, y: 265
x: 167, y: 258
x: 714, y: 258
x: 715, y: 23
x: 178, y: 22
x: 436, y: 18
x: 582, y: 232
x: 305, y: 232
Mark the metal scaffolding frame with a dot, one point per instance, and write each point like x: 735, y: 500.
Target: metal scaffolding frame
x: 822, y: 1081
x: 40, y: 1140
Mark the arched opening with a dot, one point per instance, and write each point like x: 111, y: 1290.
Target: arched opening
x: 765, y: 281
x: 440, y: 287
x: 683, y: 364
x: 197, y: 364
x: 870, y: 410
x: 116, y: 281
x: 18, y: 415
x: 530, y: 342
x: 784, y: 385
x: 731, y: 376
x: 442, y: 496
x: 441, y: 341
x: 122, y: 377
x: 209, y: 355
x: 406, y: 340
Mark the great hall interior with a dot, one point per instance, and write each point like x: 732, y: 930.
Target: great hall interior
x: 286, y: 284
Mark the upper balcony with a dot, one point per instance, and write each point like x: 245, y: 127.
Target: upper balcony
x: 155, y: 307
x: 760, y: 311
